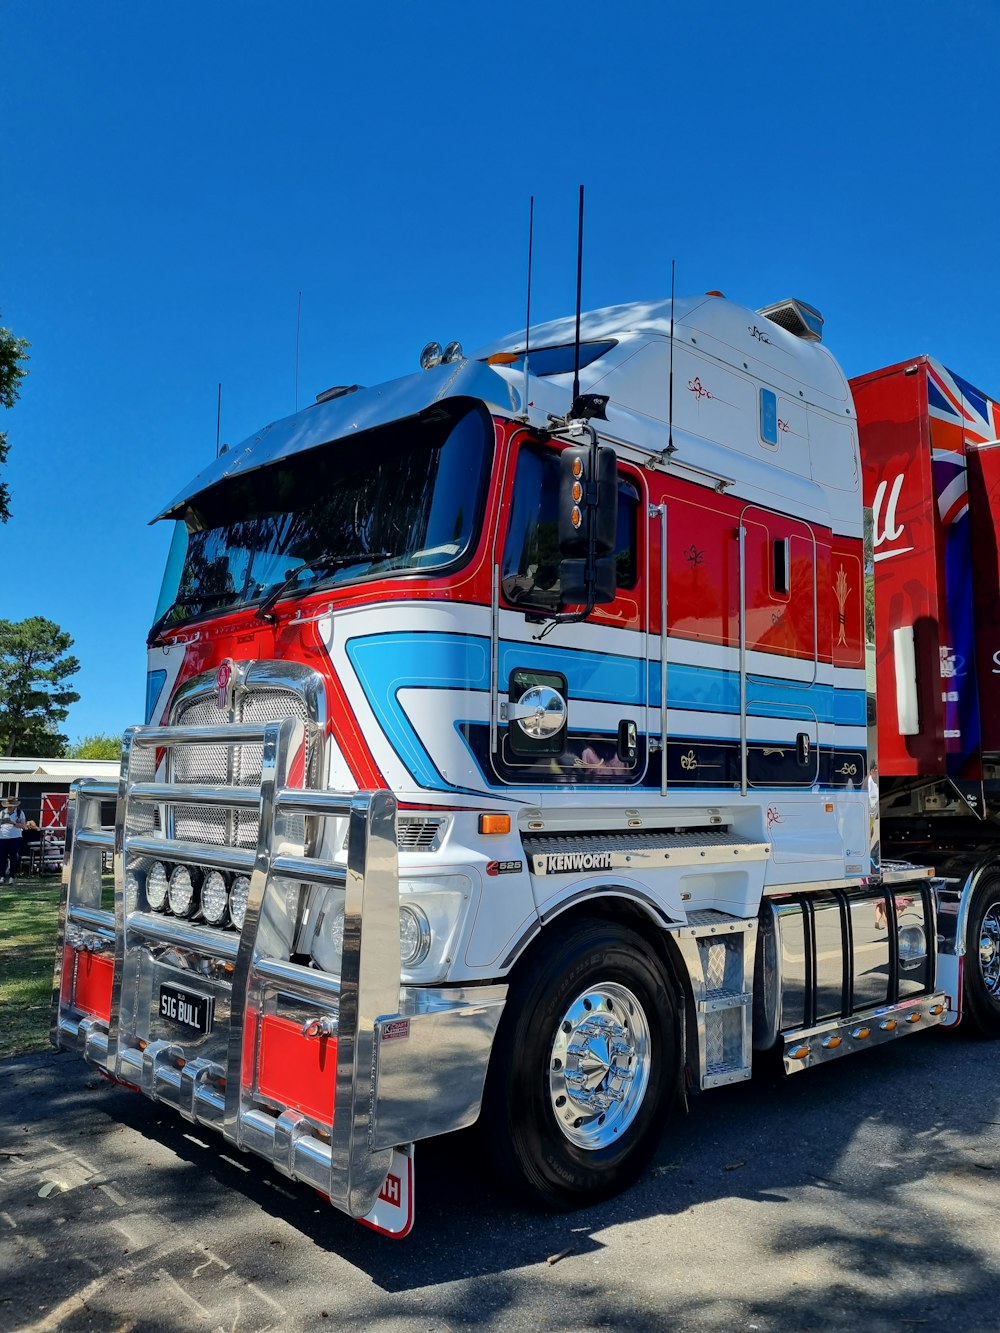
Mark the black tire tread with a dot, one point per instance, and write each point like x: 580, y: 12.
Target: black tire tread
x: 980, y: 1009
x: 526, y: 1148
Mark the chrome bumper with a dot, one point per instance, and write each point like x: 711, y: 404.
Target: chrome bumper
x: 397, y: 1065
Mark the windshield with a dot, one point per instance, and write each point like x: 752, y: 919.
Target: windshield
x: 403, y: 498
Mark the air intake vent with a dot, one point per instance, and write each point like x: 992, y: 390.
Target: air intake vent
x: 803, y: 320
x: 415, y: 833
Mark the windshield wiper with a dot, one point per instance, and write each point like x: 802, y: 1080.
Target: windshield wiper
x: 331, y: 562
x: 193, y: 600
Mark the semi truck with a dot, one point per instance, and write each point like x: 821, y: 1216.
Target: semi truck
x: 511, y: 753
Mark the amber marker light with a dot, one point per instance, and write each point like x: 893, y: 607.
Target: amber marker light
x: 831, y: 1043
x: 859, y: 1034
x: 502, y: 359
x: 494, y: 823
x: 913, y: 1018
x: 889, y: 1025
x: 799, y: 1053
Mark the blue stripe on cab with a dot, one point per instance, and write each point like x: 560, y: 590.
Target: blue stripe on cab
x: 437, y: 660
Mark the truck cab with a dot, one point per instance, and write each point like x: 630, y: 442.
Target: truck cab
x: 506, y: 758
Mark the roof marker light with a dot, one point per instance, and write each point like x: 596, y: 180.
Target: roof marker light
x: 503, y: 359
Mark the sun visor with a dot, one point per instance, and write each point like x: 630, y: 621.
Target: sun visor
x: 350, y: 415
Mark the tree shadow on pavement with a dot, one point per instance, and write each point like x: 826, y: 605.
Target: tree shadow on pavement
x: 865, y: 1192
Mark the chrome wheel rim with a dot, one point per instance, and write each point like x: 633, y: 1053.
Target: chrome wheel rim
x: 989, y: 950
x: 599, y: 1065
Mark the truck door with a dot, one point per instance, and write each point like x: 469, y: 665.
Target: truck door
x: 781, y: 694
x: 597, y: 666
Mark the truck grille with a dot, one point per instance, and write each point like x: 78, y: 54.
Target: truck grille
x: 238, y: 766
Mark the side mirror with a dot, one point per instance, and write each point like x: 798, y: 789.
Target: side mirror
x: 588, y: 524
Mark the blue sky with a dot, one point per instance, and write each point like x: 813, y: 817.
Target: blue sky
x: 173, y: 176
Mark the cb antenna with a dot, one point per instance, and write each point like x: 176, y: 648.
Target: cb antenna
x: 527, y: 317
x: 218, y: 422
x: 671, y: 447
x: 298, y: 328
x: 579, y: 298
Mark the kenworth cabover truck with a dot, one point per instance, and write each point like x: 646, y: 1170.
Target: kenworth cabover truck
x: 510, y: 757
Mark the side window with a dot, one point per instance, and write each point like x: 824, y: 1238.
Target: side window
x: 530, y: 571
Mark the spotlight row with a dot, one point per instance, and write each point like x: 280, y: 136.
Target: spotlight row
x: 188, y: 891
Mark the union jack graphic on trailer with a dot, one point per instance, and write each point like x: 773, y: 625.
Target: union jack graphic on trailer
x: 926, y: 431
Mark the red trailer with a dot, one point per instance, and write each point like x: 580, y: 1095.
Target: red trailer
x: 930, y: 450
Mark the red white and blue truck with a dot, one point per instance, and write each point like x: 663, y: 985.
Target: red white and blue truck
x: 510, y: 754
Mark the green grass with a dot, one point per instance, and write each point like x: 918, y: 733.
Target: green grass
x: 29, y: 918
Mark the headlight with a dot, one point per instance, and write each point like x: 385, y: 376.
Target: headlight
x: 414, y: 936
x: 181, y: 892
x: 157, y: 884
x: 238, y: 896
x: 327, y: 944
x: 432, y: 913
x: 214, y: 898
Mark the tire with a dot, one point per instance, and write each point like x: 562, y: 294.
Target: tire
x: 981, y: 985
x: 567, y: 1127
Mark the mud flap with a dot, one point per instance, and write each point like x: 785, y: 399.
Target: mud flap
x: 393, y: 1211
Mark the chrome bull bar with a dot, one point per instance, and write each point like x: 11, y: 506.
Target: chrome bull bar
x: 252, y: 973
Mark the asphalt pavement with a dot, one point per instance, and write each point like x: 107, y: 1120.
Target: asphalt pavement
x: 862, y: 1195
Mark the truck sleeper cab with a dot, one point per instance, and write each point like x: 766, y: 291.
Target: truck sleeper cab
x: 507, y: 765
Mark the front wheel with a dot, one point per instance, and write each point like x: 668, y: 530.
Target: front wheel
x: 585, y: 1067
x: 981, y: 1000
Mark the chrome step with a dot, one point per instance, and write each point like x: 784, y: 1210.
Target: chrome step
x: 718, y: 951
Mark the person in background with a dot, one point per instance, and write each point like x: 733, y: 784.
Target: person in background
x: 12, y: 823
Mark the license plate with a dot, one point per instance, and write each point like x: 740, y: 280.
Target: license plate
x: 187, y: 1008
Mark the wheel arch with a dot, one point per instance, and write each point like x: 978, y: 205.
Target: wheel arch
x: 627, y: 906
x: 957, y: 953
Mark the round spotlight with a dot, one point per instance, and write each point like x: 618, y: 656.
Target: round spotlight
x: 430, y: 356
x: 414, y: 936
x: 453, y: 352
x: 214, y: 898
x: 181, y: 893
x: 157, y: 883
x: 238, y: 896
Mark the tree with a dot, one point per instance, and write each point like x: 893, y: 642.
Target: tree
x: 98, y: 746
x: 13, y: 356
x: 34, y: 694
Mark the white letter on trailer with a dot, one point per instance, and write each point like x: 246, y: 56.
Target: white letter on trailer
x: 904, y: 653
